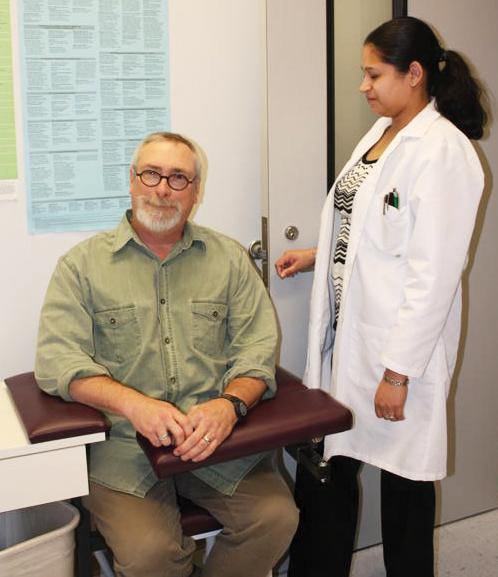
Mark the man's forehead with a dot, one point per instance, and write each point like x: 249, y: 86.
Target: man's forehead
x: 165, y: 153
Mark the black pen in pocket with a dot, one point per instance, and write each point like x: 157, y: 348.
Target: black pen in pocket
x: 391, y: 199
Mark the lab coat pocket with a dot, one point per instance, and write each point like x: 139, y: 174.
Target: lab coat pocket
x: 117, y: 335
x: 209, y: 326
x: 391, y: 230
x: 365, y: 365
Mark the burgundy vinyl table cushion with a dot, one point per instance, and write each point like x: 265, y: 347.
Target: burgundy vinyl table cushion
x: 46, y: 417
x: 296, y: 414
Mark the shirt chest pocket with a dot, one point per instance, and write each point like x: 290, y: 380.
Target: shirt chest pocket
x: 117, y: 335
x: 209, y: 326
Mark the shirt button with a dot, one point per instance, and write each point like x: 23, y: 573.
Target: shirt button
x: 166, y: 340
x: 215, y: 314
x: 162, y: 301
x: 172, y: 380
x: 112, y: 321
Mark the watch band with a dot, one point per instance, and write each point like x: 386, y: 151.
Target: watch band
x: 238, y: 404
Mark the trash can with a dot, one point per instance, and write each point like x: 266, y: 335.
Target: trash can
x: 38, y: 541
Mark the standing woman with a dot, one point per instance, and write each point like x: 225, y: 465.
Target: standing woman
x: 386, y: 297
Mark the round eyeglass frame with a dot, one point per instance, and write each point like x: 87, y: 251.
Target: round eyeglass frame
x: 167, y: 178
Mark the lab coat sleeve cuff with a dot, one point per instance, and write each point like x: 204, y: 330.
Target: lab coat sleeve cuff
x: 410, y: 371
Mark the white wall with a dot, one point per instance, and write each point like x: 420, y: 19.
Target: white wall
x: 216, y: 84
x: 470, y: 28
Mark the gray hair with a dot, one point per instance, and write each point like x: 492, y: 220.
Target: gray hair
x: 168, y: 137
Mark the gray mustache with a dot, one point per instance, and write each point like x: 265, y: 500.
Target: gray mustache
x: 161, y: 204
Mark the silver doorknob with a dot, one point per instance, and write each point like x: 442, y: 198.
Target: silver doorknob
x: 291, y: 232
x: 256, y: 250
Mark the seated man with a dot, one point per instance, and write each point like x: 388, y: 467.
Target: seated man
x: 166, y: 327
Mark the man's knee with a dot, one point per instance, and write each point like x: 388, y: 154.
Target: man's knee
x: 271, y: 512
x: 279, y: 515
x: 146, y: 555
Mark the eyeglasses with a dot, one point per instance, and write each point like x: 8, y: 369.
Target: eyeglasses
x: 176, y: 181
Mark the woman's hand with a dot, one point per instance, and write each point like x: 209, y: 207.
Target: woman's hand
x: 390, y: 400
x: 294, y: 261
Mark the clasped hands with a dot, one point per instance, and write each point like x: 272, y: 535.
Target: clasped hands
x: 195, y: 434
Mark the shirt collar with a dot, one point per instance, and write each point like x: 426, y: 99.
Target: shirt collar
x: 192, y: 235
x: 124, y: 233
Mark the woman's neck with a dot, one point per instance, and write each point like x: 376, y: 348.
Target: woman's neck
x: 408, y: 114
x: 397, y: 124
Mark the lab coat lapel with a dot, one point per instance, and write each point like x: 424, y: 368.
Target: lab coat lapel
x: 415, y: 129
x: 317, y: 369
x: 364, y: 196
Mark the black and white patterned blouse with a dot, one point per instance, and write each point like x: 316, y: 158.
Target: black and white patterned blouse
x: 344, y: 194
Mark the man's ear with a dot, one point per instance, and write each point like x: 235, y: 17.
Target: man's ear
x: 132, y: 174
x: 416, y: 72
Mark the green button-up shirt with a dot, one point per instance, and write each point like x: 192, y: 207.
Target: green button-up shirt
x: 179, y: 330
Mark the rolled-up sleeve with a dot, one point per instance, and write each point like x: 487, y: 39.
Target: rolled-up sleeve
x: 65, y: 338
x: 252, y: 328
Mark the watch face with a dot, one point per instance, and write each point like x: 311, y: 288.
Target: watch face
x: 242, y: 409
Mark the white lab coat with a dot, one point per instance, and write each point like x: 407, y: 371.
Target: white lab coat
x: 401, y: 299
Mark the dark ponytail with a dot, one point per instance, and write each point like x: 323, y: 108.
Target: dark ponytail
x: 458, y: 96
x: 402, y: 41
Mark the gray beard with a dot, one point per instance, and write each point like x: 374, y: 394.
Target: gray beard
x: 155, y: 220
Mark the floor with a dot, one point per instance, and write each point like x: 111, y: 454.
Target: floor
x: 466, y: 548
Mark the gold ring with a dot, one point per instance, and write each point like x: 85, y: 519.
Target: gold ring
x: 207, y: 439
x: 164, y: 437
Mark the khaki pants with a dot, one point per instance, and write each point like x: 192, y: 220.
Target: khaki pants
x: 146, y: 538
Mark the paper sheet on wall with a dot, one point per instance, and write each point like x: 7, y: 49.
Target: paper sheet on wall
x: 95, y: 80
x: 8, y: 158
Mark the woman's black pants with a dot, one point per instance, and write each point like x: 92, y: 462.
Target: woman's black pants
x: 323, y: 544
